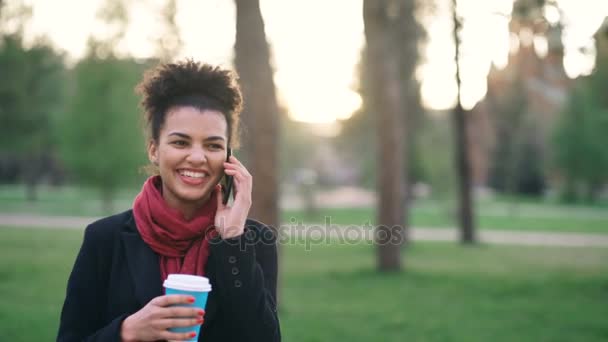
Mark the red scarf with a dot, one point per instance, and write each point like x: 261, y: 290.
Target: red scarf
x: 183, y: 246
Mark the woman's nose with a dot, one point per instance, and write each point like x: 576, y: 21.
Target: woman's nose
x: 197, y: 155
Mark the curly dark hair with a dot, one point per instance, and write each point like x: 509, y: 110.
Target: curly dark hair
x: 190, y: 83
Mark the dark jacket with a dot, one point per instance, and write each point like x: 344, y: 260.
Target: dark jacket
x: 116, y: 274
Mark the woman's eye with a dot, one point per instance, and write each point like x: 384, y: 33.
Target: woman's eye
x: 179, y: 143
x: 216, y: 146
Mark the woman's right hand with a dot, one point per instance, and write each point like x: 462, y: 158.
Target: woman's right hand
x: 152, y: 321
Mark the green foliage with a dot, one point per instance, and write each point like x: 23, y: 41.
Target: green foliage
x: 101, y: 139
x: 297, y: 147
x: 358, y: 142
x: 580, y: 141
x: 436, y: 156
x: 516, y: 162
x: 31, y: 91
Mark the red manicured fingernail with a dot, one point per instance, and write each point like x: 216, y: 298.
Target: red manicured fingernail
x: 191, y: 300
x: 192, y: 334
x: 200, y: 321
x: 201, y: 312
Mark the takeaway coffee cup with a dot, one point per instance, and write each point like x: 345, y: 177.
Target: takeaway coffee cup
x: 195, y: 286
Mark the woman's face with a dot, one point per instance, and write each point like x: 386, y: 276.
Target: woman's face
x: 190, y: 154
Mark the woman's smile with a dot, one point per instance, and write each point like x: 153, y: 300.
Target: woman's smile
x: 193, y: 177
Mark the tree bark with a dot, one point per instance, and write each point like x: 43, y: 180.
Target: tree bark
x: 260, y: 115
x: 463, y: 167
x: 386, y: 94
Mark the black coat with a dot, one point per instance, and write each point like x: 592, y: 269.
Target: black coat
x: 116, y: 274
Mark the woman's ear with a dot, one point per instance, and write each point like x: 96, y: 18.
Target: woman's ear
x: 153, y: 152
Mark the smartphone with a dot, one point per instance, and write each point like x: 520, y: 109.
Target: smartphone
x: 228, y: 181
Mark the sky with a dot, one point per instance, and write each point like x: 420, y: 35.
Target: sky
x: 316, y: 44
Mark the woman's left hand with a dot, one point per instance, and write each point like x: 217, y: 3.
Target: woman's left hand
x: 230, y: 220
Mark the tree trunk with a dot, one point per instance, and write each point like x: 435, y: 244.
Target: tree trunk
x: 409, y: 34
x: 386, y: 95
x: 260, y: 114
x: 463, y: 167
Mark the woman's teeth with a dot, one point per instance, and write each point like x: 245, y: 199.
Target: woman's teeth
x: 192, y: 174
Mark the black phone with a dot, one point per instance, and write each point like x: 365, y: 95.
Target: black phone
x: 228, y: 181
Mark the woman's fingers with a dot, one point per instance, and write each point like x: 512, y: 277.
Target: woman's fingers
x: 179, y: 322
x: 163, y: 312
x: 234, y: 173
x: 240, y: 165
x: 238, y: 174
x: 242, y: 186
x: 219, y: 197
x: 234, y: 160
x: 236, y: 164
x: 171, y: 336
x: 180, y: 311
x: 230, y: 170
x: 172, y: 300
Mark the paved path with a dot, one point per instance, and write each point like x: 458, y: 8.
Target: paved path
x: 354, y: 233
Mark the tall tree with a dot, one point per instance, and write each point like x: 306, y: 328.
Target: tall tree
x: 579, y: 136
x: 389, y: 26
x: 463, y: 166
x: 356, y: 141
x: 261, y: 112
x: 32, y: 92
x: 101, y: 139
x: 522, y: 103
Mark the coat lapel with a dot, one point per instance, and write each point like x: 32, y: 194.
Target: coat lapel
x: 143, y: 265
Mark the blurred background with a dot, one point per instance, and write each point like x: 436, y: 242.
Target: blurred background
x: 467, y: 136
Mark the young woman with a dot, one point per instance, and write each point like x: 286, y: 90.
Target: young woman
x: 179, y: 224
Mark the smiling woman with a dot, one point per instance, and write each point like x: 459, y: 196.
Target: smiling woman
x: 179, y: 225
x: 190, y: 154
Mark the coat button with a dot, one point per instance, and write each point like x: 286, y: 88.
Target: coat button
x: 237, y: 283
x: 235, y: 271
x: 232, y: 259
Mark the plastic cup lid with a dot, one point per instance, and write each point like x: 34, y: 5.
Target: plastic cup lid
x: 187, y: 282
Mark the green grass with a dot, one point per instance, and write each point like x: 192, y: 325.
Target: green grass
x: 501, y: 213
x: 448, y: 293
x: 489, y: 216
x: 62, y: 201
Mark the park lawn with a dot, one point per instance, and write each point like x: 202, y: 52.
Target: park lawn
x: 62, y: 201
x: 448, y: 293
x: 595, y: 222
x: 507, y: 214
